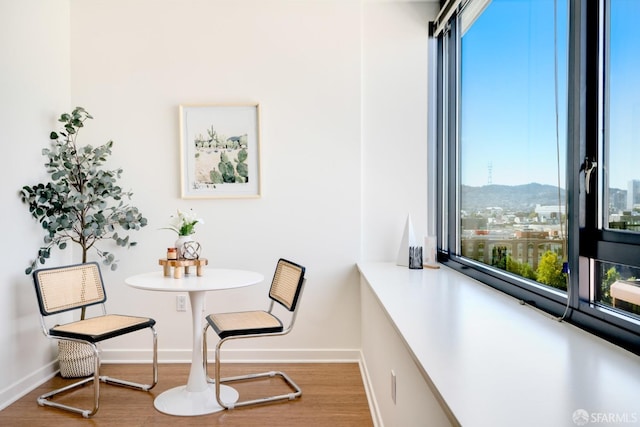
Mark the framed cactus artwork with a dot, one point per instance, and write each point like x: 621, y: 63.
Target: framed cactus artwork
x: 220, y: 151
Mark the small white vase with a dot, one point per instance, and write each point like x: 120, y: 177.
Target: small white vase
x: 180, y: 245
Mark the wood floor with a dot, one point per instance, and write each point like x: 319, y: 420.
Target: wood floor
x: 332, y: 395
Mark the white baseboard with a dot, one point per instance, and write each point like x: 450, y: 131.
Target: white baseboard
x: 20, y: 388
x: 371, y: 396
x: 237, y: 355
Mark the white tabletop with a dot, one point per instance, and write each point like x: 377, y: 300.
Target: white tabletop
x: 212, y: 279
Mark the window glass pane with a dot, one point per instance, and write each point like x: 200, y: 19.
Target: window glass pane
x: 618, y: 287
x: 512, y: 138
x: 623, y: 139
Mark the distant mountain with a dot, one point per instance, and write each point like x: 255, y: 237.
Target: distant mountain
x: 516, y: 198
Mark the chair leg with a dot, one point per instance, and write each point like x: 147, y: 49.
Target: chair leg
x: 297, y: 391
x: 204, y: 353
x: 134, y: 385
x: 44, y: 400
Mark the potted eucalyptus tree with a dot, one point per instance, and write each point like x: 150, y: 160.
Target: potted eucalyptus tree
x: 81, y: 204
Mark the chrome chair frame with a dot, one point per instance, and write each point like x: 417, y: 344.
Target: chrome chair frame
x: 217, y: 380
x: 65, y: 333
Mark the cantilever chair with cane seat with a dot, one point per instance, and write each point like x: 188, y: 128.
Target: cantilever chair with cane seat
x: 286, y: 288
x: 77, y: 287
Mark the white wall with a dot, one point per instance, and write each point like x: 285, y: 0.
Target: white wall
x: 394, y: 130
x: 34, y: 85
x: 340, y: 100
x: 301, y: 62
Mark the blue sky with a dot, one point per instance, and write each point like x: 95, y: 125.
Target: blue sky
x: 625, y: 92
x: 508, y: 107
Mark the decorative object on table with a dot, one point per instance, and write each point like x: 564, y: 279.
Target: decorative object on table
x: 408, y: 240
x: 184, y: 224
x: 220, y: 151
x: 172, y: 254
x: 71, y: 210
x: 191, y: 250
x: 430, y: 257
x: 180, y: 244
x: 181, y: 266
x: 415, y: 257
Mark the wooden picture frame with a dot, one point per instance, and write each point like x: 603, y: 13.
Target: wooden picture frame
x: 220, y: 151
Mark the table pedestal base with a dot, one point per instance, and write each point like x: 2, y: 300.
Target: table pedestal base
x: 179, y: 401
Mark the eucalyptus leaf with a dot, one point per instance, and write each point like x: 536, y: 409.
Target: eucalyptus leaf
x: 82, y: 202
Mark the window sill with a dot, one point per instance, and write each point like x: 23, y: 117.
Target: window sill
x: 496, y: 362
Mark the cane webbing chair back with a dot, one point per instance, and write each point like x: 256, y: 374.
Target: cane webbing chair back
x: 286, y: 289
x: 67, y: 288
x: 286, y: 284
x: 76, y: 287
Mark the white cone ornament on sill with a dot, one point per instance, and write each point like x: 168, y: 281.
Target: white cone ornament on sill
x: 410, y: 252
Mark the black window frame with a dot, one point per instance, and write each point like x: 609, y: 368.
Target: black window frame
x: 587, y: 241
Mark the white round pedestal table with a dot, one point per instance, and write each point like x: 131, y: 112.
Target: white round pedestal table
x: 197, y: 397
